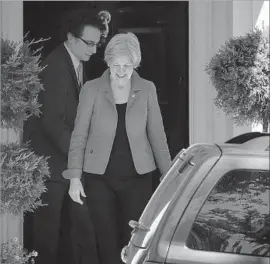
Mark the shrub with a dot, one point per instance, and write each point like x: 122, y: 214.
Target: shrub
x: 23, y: 177
x: 13, y: 253
x: 20, y: 84
x: 240, y: 74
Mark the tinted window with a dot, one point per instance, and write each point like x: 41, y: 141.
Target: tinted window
x: 235, y: 217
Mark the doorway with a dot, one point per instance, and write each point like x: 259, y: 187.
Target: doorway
x: 162, y: 29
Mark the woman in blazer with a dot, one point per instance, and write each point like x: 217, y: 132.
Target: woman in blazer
x: 117, y: 142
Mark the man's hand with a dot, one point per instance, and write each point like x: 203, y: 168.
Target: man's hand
x: 76, y: 190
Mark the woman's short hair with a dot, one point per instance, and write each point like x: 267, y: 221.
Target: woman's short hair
x: 124, y: 43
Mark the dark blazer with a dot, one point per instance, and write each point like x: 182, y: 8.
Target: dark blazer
x: 50, y: 134
x: 95, y: 127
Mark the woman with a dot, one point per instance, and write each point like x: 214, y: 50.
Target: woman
x: 117, y: 142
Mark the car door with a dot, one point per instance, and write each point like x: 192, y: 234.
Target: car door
x: 228, y: 219
x: 154, y: 230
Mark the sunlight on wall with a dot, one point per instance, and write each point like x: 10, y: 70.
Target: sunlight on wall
x: 263, y: 20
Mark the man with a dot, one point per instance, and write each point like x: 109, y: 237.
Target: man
x: 50, y: 135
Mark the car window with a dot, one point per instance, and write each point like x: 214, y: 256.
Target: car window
x: 235, y: 217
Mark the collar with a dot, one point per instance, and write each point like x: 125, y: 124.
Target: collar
x: 75, y: 61
x: 105, y: 81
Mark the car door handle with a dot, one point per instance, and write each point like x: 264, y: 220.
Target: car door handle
x: 186, y: 161
x: 136, y: 225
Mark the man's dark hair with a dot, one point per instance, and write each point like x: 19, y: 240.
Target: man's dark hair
x: 74, y: 22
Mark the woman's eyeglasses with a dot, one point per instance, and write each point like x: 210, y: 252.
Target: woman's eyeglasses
x: 90, y: 44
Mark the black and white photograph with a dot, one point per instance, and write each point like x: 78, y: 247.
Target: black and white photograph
x: 135, y: 132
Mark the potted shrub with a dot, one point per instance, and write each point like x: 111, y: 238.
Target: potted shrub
x: 20, y: 85
x: 13, y: 253
x: 23, y: 176
x: 23, y: 173
x: 240, y: 74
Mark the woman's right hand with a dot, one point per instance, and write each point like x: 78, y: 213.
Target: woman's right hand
x: 76, y: 190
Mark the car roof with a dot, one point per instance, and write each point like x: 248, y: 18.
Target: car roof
x: 258, y: 145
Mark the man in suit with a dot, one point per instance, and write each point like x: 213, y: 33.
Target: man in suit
x: 50, y: 135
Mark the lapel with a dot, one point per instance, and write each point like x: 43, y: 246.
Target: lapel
x: 135, y: 88
x: 104, y: 86
x: 71, y: 70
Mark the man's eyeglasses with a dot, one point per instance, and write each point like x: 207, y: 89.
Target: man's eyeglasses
x: 90, y: 44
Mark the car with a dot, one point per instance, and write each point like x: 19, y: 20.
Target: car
x: 212, y: 206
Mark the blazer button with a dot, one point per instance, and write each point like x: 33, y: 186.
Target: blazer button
x: 91, y: 151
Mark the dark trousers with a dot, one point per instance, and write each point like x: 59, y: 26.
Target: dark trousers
x: 62, y: 231
x: 112, y: 204
x: 49, y: 226
x: 84, y: 246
